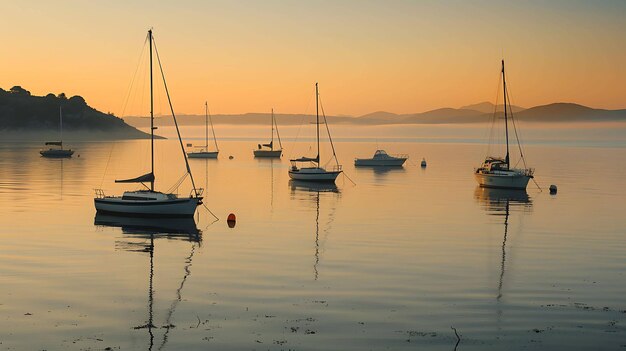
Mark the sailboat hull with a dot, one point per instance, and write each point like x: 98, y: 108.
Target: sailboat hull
x: 203, y: 154
x: 57, y: 153
x: 267, y: 153
x: 503, y: 180
x: 142, y: 208
x: 313, y: 174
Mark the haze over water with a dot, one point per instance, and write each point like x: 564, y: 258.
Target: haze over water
x: 392, y: 262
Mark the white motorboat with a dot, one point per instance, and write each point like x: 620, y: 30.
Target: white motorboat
x: 148, y: 202
x: 496, y: 172
x: 204, y: 151
x: 267, y: 150
x: 382, y: 158
x: 314, y: 172
x: 56, y: 149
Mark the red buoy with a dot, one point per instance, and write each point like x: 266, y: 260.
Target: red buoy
x: 231, y: 220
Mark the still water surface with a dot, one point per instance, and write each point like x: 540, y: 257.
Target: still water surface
x: 392, y: 262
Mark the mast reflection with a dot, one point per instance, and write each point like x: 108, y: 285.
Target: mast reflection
x: 308, y: 192
x: 500, y: 202
x: 152, y: 229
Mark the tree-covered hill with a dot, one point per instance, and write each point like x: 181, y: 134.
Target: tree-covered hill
x: 22, y: 112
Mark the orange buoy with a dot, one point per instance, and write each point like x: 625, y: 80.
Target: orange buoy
x: 231, y: 220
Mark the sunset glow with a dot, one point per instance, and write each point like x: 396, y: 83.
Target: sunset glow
x: 248, y: 56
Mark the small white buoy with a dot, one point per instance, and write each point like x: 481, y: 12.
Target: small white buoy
x: 423, y: 164
x: 553, y: 189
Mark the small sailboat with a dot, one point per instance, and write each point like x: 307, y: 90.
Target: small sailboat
x: 496, y: 172
x: 383, y: 159
x: 148, y: 202
x: 267, y: 150
x: 56, y: 149
x: 204, y: 152
x: 314, y: 172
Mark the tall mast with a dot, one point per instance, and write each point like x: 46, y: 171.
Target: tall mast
x: 151, y: 112
x: 61, y: 122
x: 506, y: 123
x: 206, y: 125
x: 272, y: 142
x: 317, y: 120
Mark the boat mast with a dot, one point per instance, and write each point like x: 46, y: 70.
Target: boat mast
x: 272, y: 142
x: 61, y: 124
x: 317, y: 120
x: 206, y: 125
x: 506, y: 124
x: 151, y: 113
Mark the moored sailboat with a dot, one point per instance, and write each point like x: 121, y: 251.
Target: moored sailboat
x: 496, y: 172
x: 267, y: 150
x: 58, y: 151
x: 315, y: 172
x: 148, y: 202
x: 204, y: 151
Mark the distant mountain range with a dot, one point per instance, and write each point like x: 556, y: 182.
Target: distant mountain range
x: 477, y: 113
x: 25, y: 116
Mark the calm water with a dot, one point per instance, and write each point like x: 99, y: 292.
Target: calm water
x: 392, y: 262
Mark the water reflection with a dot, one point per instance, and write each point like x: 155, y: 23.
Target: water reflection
x: 152, y: 229
x: 312, y: 192
x: 498, y: 202
x: 381, y: 170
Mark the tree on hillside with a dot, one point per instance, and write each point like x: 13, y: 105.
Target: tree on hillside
x: 20, y: 91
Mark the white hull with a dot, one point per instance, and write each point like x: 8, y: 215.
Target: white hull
x: 502, y: 180
x: 185, y: 207
x: 57, y: 153
x: 203, y: 154
x: 383, y: 163
x: 313, y: 175
x: 267, y: 153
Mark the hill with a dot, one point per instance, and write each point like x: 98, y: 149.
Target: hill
x: 488, y: 107
x: 561, y: 111
x: 25, y: 115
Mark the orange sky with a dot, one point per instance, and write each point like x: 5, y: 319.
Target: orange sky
x: 249, y: 56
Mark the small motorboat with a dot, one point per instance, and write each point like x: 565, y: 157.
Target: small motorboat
x: 381, y: 158
x: 423, y: 164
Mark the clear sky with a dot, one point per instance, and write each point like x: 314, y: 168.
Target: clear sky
x: 249, y: 56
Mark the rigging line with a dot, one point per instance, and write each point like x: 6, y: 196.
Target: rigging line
x: 519, y: 144
x: 106, y: 167
x: 211, y: 212
x: 494, y: 118
x: 212, y: 130
x: 132, y: 82
x: 277, y: 134
x: 177, y: 184
x: 345, y: 175
x: 328, y: 131
x: 180, y: 140
x: 302, y: 117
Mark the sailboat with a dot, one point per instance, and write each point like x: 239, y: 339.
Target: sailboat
x: 269, y: 150
x: 496, y: 172
x: 58, y: 151
x: 204, y: 152
x: 314, y: 172
x: 148, y: 202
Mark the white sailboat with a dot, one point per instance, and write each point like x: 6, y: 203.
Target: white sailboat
x: 148, y: 202
x: 315, y: 172
x: 496, y: 172
x: 267, y: 150
x: 56, y: 149
x: 204, y: 152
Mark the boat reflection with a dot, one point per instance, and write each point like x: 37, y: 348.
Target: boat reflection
x: 311, y: 193
x: 171, y: 228
x: 500, y: 202
x: 149, y: 230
